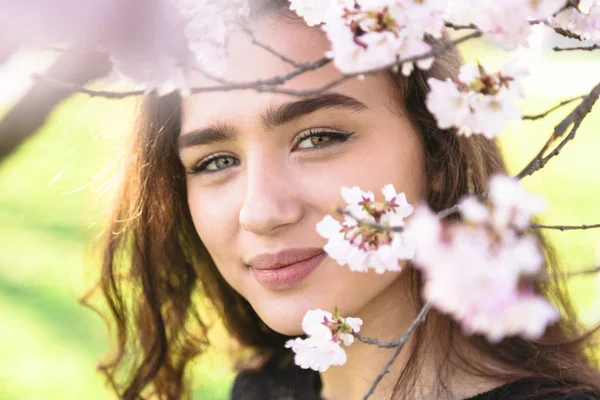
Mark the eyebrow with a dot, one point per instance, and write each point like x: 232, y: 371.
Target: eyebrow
x: 272, y: 117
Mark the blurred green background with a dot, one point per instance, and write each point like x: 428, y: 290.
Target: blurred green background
x: 51, y: 200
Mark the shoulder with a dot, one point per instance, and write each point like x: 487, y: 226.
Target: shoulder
x: 538, y: 389
x: 279, y: 380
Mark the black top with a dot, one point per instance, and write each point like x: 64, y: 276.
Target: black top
x: 274, y: 382
x: 534, y: 389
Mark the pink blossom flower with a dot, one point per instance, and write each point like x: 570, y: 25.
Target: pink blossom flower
x: 360, y: 246
x: 326, y: 332
x: 586, y: 25
x: 316, y: 356
x: 480, y: 270
x: 479, y: 102
x: 512, y: 204
x: 507, y: 21
x: 316, y: 12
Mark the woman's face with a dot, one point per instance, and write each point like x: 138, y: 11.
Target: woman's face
x: 258, y: 182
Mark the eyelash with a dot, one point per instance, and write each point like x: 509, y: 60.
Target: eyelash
x: 200, y: 168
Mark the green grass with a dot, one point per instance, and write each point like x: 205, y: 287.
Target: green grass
x: 49, y: 205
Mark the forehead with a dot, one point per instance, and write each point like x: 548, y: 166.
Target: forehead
x: 248, y: 62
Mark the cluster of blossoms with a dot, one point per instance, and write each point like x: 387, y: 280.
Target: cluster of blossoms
x: 584, y: 24
x: 508, y: 21
x: 157, y: 42
x: 481, y: 270
x: 322, y: 348
x: 368, y: 34
x: 478, y: 102
x: 360, y: 245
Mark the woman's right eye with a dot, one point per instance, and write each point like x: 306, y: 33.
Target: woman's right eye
x: 214, y: 164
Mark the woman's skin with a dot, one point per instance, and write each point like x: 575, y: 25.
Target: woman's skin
x: 269, y: 192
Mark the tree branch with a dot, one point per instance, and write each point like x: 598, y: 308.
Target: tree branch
x: 399, y: 346
x: 266, y: 85
x: 576, y: 118
x: 30, y: 113
x: 584, y: 48
x: 545, y: 113
x: 459, y: 27
x: 564, y: 32
x: 362, y: 222
x: 564, y: 227
x: 260, y: 85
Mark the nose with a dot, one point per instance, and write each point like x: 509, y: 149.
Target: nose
x: 271, y: 201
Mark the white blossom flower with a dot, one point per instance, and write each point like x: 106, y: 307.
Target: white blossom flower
x: 506, y: 21
x: 363, y: 247
x: 585, y: 25
x: 448, y: 104
x: 479, y: 102
x: 478, y: 271
x: 322, y: 348
x: 354, y: 323
x: 512, y: 204
x: 316, y: 12
x: 491, y: 113
x: 468, y: 73
x: 315, y: 323
x: 418, y: 18
x: 474, y: 211
x: 412, y: 47
x: 208, y: 26
x: 527, y: 316
x: 376, y: 33
x: 316, y: 355
x: 207, y: 34
x: 376, y: 49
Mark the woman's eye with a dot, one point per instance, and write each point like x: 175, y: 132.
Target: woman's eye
x: 313, y: 139
x: 214, y: 164
x: 305, y: 140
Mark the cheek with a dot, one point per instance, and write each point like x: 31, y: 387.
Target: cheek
x: 398, y: 159
x: 215, y: 221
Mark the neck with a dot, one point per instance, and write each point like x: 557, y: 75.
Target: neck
x: 387, y: 317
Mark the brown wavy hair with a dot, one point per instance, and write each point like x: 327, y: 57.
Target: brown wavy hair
x: 158, y: 279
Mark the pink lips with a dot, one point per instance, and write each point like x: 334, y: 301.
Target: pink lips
x: 286, y: 268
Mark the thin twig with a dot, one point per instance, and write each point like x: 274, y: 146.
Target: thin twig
x: 584, y: 48
x: 260, y: 85
x: 566, y: 33
x: 459, y: 27
x: 556, y: 107
x: 400, y: 345
x: 575, y: 117
x: 564, y: 227
x: 212, y: 77
x: 362, y: 222
x: 269, y: 49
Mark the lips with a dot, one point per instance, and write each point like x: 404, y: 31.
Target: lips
x: 283, y: 258
x: 286, y: 268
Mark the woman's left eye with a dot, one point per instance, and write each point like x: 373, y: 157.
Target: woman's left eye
x: 319, y: 138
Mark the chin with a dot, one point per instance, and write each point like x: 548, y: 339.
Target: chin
x: 290, y: 324
x: 285, y: 315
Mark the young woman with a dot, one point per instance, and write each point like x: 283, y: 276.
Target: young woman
x: 218, y: 186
